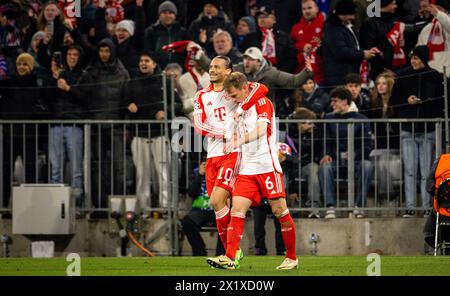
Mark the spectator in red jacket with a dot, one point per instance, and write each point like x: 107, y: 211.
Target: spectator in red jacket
x: 307, y: 36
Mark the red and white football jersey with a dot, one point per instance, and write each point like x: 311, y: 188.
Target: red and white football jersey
x: 260, y: 156
x: 211, y: 114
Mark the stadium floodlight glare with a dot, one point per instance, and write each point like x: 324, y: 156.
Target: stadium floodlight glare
x: 129, y: 216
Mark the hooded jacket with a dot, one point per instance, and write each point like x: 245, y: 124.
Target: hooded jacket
x: 74, y: 103
x: 109, y: 82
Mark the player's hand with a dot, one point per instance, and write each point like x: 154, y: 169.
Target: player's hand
x: 237, y: 116
x: 231, y: 145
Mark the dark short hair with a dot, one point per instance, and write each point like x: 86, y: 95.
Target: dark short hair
x: 227, y: 61
x: 76, y: 47
x: 149, y: 54
x: 352, y: 78
x: 341, y: 93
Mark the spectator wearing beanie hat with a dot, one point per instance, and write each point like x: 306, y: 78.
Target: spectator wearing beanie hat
x: 341, y: 50
x: 245, y: 26
x: 345, y: 7
x: 126, y: 25
x: 418, y: 94
x: 167, y: 6
x: 380, y: 32
x: 436, y: 35
x: 165, y: 31
x: 210, y: 21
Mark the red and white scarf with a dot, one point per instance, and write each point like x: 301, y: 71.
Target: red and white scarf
x: 436, y: 39
x: 364, y: 73
x: 395, y: 36
x: 268, y: 45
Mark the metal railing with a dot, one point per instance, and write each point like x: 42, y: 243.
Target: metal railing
x: 185, y: 154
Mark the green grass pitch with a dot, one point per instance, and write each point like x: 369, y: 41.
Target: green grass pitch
x: 250, y: 266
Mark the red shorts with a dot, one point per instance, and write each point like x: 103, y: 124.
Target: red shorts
x: 222, y: 171
x: 254, y: 187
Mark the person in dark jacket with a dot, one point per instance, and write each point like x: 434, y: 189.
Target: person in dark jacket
x: 209, y: 22
x: 341, y: 51
x: 374, y: 34
x: 109, y: 78
x: 144, y: 100
x: 417, y: 94
x: 311, y: 97
x: 335, y: 155
x: 69, y: 102
x: 360, y: 95
x: 245, y: 26
x: 201, y: 214
x: 267, y: 35
x: 165, y: 31
x: 21, y: 99
x: 304, y: 161
x: 223, y: 46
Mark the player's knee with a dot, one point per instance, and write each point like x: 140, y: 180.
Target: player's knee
x: 278, y: 209
x: 217, y: 203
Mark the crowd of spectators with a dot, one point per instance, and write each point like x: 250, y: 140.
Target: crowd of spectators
x: 319, y: 59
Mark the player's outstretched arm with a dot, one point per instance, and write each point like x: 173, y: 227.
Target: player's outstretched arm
x: 257, y: 91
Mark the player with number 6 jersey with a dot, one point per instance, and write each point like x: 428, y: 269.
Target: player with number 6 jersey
x: 260, y: 175
x: 211, y: 109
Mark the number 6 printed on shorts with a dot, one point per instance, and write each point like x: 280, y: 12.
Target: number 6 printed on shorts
x: 269, y: 184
